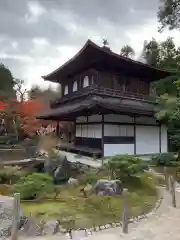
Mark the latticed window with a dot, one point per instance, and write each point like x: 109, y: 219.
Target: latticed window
x: 75, y: 87
x: 66, y: 90
x: 85, y: 82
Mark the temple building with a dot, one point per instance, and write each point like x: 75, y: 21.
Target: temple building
x: 111, y: 102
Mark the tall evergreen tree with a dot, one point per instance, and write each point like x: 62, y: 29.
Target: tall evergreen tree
x: 7, y: 84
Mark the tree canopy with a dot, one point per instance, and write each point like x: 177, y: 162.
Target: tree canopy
x: 162, y: 54
x: 44, y: 95
x: 127, y: 51
x: 170, y: 113
x: 169, y: 14
x: 7, y: 83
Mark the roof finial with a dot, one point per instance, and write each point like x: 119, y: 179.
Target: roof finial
x: 105, y: 42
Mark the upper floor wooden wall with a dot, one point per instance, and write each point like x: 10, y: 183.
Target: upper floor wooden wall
x: 106, y: 80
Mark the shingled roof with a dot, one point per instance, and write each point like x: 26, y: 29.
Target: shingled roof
x: 71, y: 110
x: 92, y: 54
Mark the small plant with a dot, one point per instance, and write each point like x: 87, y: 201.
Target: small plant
x: 164, y: 159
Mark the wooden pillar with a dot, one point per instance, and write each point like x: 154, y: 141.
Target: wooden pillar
x: 125, y: 216
x: 102, y: 141
x: 160, y: 147
x: 57, y: 129
x: 173, y: 191
x: 166, y: 178
x: 134, y: 135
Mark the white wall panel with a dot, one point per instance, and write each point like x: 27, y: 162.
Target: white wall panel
x: 78, y: 130
x: 90, y: 131
x: 164, y: 142
x: 118, y: 130
x: 81, y: 119
x: 98, y: 131
x: 84, y: 131
x: 147, y: 139
x: 111, y: 130
x: 118, y: 118
x: 95, y: 118
x: 146, y: 120
x: 94, y: 131
x: 126, y: 131
x: 117, y: 149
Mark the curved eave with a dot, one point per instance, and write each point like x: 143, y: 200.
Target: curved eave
x: 53, y: 75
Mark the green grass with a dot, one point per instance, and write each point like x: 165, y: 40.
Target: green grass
x: 96, y: 210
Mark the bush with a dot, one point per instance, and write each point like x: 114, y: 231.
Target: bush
x: 32, y: 186
x: 125, y: 166
x: 164, y: 159
x: 10, y: 175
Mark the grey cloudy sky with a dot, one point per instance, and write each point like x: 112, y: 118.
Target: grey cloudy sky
x: 38, y: 36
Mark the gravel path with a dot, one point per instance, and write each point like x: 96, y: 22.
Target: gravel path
x: 164, y: 224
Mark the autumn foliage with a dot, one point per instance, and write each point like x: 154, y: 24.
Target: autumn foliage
x: 25, y: 113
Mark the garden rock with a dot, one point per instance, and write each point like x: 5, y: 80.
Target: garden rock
x: 73, y: 182
x: 6, y: 208
x: 63, y: 172
x: 105, y: 187
x: 50, y: 227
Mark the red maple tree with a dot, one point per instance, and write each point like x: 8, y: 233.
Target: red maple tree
x: 25, y: 113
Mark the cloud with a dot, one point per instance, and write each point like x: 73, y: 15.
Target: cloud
x: 37, y: 36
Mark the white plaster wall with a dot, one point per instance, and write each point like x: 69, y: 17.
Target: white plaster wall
x: 117, y: 149
x: 118, y: 130
x: 147, y: 139
x: 164, y: 142
x: 118, y: 118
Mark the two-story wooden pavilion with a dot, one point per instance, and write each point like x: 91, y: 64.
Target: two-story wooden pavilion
x: 109, y: 98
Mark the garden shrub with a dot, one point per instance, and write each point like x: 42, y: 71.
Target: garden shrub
x: 122, y: 166
x: 163, y: 159
x: 32, y: 186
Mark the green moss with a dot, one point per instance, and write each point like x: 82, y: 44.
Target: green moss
x: 96, y: 210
